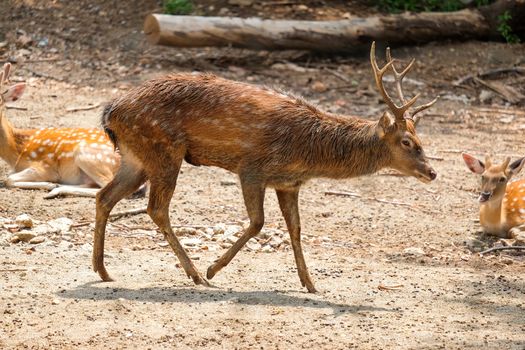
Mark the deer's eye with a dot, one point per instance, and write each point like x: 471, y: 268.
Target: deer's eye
x: 405, y: 143
x: 502, y: 179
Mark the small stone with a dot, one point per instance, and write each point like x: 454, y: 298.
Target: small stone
x: 319, y: 87
x: 231, y: 239
x: 190, y: 242
x: 474, y: 244
x: 267, y: 249
x: 232, y: 230
x: 22, y: 237
x: 24, y: 221
x: 253, y: 245
x: 276, y: 242
x: 219, y: 229
x: 24, y: 40
x: 55, y: 301
x: 226, y: 245
x: 44, y: 229
x: 61, y: 224
x: 415, y: 251
x: 485, y: 96
x: 37, y: 240
x: 507, y: 260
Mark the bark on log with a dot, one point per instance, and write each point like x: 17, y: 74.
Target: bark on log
x: 341, y: 35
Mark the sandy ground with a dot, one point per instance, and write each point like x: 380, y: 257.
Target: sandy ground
x: 374, y: 294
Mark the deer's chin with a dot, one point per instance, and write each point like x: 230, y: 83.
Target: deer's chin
x: 423, y: 178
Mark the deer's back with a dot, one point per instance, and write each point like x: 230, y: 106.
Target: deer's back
x: 220, y: 122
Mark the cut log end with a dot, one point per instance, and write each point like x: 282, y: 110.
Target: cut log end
x: 152, y: 29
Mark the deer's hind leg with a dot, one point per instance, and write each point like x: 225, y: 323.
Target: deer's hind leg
x: 127, y: 180
x: 163, y: 181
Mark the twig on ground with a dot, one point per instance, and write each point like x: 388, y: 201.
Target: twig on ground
x: 493, y: 249
x: 508, y: 93
x: 36, y: 60
x: 82, y: 108
x: 489, y: 73
x: 337, y: 74
x: 13, y: 270
x: 134, y: 211
x: 500, y: 111
x: 380, y: 200
x: 19, y: 108
x: 43, y: 75
x: 80, y: 224
x: 394, y: 287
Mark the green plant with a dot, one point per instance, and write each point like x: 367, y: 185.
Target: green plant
x: 505, y: 29
x: 178, y: 7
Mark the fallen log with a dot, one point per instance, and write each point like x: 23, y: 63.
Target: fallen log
x: 340, y: 35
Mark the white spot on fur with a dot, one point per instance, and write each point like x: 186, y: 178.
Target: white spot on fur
x: 33, y: 155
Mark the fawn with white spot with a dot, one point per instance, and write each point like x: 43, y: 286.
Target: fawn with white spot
x: 502, y: 203
x: 79, y: 158
x: 268, y: 138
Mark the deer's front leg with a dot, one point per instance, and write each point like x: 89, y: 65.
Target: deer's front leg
x: 517, y: 232
x: 289, y: 203
x: 31, y: 179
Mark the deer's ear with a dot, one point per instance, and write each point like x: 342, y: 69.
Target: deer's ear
x: 385, y: 125
x: 14, y: 92
x: 475, y: 165
x: 515, y: 167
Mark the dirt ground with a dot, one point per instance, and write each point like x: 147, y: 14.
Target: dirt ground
x: 397, y: 267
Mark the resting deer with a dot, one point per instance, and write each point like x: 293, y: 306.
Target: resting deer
x: 268, y: 138
x: 43, y: 158
x: 502, y: 203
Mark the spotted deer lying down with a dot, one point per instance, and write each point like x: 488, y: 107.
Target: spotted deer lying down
x: 502, y: 202
x: 269, y: 139
x: 67, y: 161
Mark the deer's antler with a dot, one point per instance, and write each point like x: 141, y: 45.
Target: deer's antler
x: 398, y: 79
x: 398, y: 111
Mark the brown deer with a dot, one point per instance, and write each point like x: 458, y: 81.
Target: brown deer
x: 79, y: 159
x: 269, y: 139
x: 502, y: 203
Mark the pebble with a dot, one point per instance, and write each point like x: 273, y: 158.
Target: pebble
x: 37, y: 240
x: 415, y: 251
x: 24, y: 221
x: 61, y: 224
x: 22, y: 237
x: 190, y: 242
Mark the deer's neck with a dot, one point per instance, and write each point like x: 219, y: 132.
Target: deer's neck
x: 491, y: 216
x: 11, y: 141
x: 336, y: 146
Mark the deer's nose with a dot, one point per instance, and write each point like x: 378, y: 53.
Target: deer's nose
x: 432, y: 174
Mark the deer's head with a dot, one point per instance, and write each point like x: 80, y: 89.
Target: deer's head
x: 11, y: 93
x: 397, y: 127
x: 494, y: 177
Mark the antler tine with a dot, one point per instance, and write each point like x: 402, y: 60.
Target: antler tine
x: 398, y: 77
x: 398, y: 112
x: 422, y: 108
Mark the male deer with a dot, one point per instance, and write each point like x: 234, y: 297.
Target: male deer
x: 43, y: 158
x: 268, y: 138
x: 502, y: 203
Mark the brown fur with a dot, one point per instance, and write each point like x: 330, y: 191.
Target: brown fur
x: 268, y: 138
